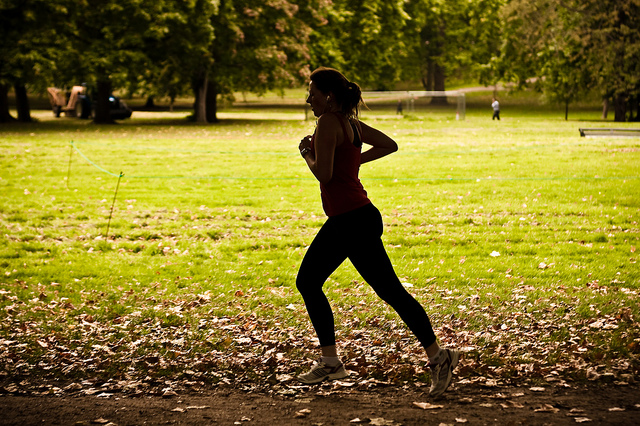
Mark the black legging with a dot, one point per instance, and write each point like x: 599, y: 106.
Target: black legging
x: 356, y: 235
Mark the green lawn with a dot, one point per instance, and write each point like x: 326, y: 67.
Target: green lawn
x: 517, y: 236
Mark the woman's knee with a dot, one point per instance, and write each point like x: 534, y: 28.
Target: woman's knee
x: 306, y: 284
x: 395, y: 296
x: 300, y: 284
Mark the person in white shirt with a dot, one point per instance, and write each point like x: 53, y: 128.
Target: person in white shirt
x: 496, y: 109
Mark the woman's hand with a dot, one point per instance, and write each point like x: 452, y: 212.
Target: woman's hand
x: 305, y: 143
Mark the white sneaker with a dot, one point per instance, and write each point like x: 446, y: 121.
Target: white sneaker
x: 320, y: 371
x: 441, y: 373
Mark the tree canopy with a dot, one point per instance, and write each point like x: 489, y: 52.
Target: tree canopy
x: 571, y: 47
x: 217, y: 47
x: 33, y: 39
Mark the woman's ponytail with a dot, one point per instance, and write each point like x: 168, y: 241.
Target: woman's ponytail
x: 352, y: 99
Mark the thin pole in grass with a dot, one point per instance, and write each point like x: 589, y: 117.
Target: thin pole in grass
x: 69, y: 169
x: 106, y: 235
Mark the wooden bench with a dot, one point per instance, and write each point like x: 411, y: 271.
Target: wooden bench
x: 610, y: 132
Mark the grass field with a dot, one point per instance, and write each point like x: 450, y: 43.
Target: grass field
x: 517, y: 236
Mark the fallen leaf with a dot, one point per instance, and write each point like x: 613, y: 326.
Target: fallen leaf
x: 302, y: 413
x: 73, y: 387
x: 12, y: 388
x: 284, y: 377
x: 100, y: 421
x: 379, y: 421
x: 458, y: 420
x: 427, y: 406
x: 494, y: 254
x: 616, y: 409
x: 547, y: 408
x: 537, y: 389
x: 582, y: 419
x: 178, y: 410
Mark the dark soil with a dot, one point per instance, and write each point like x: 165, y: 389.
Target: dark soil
x: 332, y: 405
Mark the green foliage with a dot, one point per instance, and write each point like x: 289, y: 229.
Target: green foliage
x: 450, y: 38
x: 33, y: 37
x: 182, y: 48
x: 612, y: 33
x: 166, y: 48
x: 113, y: 38
x: 371, y: 42
x: 572, y: 47
x: 260, y: 45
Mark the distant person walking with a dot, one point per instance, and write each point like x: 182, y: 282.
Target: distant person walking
x: 354, y: 228
x: 496, y: 109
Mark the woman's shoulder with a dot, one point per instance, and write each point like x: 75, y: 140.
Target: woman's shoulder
x: 330, y: 118
x: 333, y: 120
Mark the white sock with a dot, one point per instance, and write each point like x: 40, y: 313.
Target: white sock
x: 438, y: 358
x: 330, y: 361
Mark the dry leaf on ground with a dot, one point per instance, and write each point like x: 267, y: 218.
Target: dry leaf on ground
x: 427, y: 406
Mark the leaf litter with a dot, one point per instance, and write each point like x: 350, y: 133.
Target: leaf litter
x: 164, y: 346
x: 170, y: 346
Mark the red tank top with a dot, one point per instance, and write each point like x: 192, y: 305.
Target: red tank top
x: 344, y: 192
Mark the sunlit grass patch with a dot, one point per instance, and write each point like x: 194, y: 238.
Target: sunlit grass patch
x: 519, y: 239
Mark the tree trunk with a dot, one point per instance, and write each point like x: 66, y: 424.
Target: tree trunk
x: 605, y: 108
x: 620, y: 108
x: 566, y: 111
x: 427, y: 79
x: 5, y: 116
x: 22, y: 103
x: 438, y: 85
x: 200, y: 92
x: 103, y: 110
x: 150, y: 103
x: 634, y: 105
x: 212, y: 102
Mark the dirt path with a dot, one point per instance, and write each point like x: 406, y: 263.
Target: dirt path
x: 332, y: 405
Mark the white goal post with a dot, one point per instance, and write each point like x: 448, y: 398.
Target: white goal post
x: 409, y: 98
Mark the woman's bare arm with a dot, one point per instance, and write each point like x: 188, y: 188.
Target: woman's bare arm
x: 320, y: 161
x: 381, y: 144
